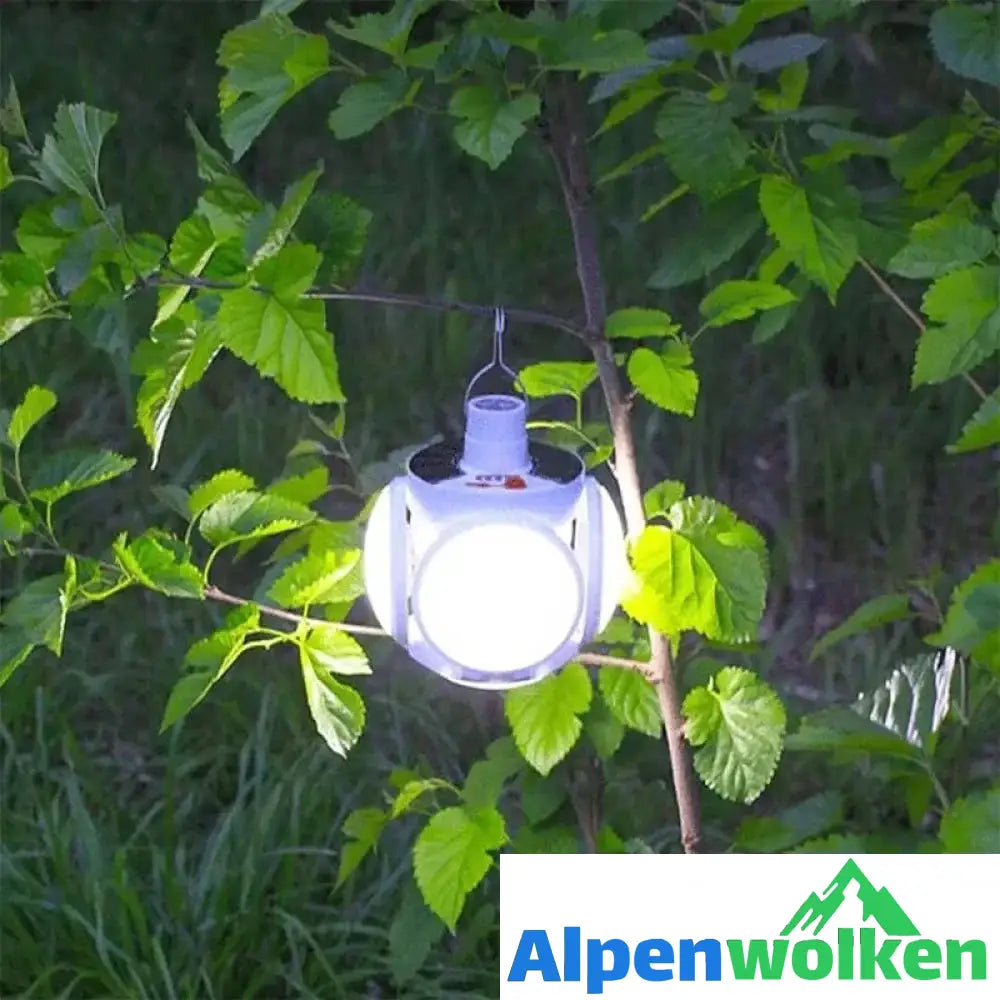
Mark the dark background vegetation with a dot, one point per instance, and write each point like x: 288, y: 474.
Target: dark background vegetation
x: 202, y: 863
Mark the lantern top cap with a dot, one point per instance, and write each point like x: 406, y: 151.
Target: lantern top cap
x: 496, y: 436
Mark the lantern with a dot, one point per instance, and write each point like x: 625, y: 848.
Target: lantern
x: 494, y: 560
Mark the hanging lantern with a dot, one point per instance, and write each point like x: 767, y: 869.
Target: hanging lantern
x: 494, y: 561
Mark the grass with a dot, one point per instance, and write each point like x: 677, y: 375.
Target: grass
x: 202, y: 863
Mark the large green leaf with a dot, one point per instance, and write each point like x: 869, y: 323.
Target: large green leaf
x: 963, y: 308
x: 942, y: 244
x: 631, y: 699
x: 707, y: 572
x: 963, y: 628
x: 237, y: 517
x: 37, y: 613
x: 337, y: 710
x: 665, y: 378
x: 982, y: 429
x: 803, y: 821
x: 173, y: 358
x: 815, y: 224
x: 735, y: 300
x: 914, y: 701
x: 486, y: 778
x: 191, y: 248
x: 36, y: 403
x: 412, y: 934
x: 282, y: 336
x: 452, y: 856
x: 557, y: 378
x: 845, y: 730
x: 545, y: 717
x: 68, y: 472
x: 287, y: 215
x: 227, y: 481
x: 704, y: 237
x: 160, y: 562
x: 316, y: 578
x: 921, y: 154
x: 330, y: 648
x: 737, y: 723
x: 490, y: 123
x: 702, y: 143
x: 338, y: 225
x: 268, y: 61
x: 971, y: 825
x: 363, y: 105
x: 387, y: 31
x: 881, y: 610
x: 966, y: 39
x: 639, y: 324
x: 71, y: 154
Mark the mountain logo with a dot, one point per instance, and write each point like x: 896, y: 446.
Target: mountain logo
x: 879, y: 905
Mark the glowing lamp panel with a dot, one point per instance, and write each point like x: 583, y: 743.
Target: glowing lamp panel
x: 497, y: 597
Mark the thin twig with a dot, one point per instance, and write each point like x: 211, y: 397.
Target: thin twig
x: 567, y: 144
x: 914, y: 318
x: 533, y: 316
x: 600, y: 660
x: 215, y: 594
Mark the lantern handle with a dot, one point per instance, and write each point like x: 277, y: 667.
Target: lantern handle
x: 497, y: 361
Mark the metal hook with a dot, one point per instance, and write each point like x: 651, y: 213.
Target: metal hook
x: 499, y: 328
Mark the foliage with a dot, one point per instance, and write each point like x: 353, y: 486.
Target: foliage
x: 789, y: 204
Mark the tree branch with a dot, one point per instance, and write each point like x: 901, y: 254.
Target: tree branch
x: 567, y: 143
x: 533, y: 316
x: 914, y: 318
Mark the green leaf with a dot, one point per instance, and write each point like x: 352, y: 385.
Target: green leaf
x: 545, y: 717
x: 338, y: 225
x: 972, y: 824
x: 639, y: 95
x: 160, y: 562
x: 920, y: 154
x: 330, y: 648
x: 211, y: 657
x: 386, y: 32
x: 666, y: 378
x: 962, y: 629
x: 6, y: 174
x: 412, y: 934
x: 11, y: 118
x: 914, y: 701
x: 452, y: 856
x: 983, y: 428
x: 68, y: 472
x: 486, y: 778
x: 640, y: 323
x: 36, y: 403
x: 284, y: 340
x: 703, y: 238
x: 37, y: 613
x: 631, y: 699
x: 363, y: 105
x: 702, y: 143
x: 842, y: 729
x: 937, y: 246
x: 660, y: 498
x: 227, y: 481
x: 70, y: 156
x: 337, y: 710
x: 878, y: 611
x: 306, y: 488
x: 237, y: 517
x: 737, y: 723
x: 173, y: 358
x: 490, y: 124
x: 557, y: 378
x: 964, y: 309
x: 25, y: 295
x: 739, y: 28
x: 15, y: 648
x: 191, y: 248
x: 792, y: 82
x: 815, y: 224
x: 769, y: 54
x: 708, y: 572
x: 736, y: 300
x: 587, y: 52
x: 269, y: 61
x: 801, y: 822
x: 315, y: 578
x: 604, y: 730
x: 540, y: 797
x: 13, y: 524
x: 364, y: 827
x: 294, y: 201
x: 967, y: 40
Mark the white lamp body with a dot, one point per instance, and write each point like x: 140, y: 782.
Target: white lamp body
x: 495, y: 562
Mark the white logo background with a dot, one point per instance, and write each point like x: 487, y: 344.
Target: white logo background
x: 641, y: 896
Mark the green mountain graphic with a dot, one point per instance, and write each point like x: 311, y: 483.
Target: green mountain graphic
x: 878, y: 904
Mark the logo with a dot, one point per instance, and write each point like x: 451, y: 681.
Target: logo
x: 852, y: 934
